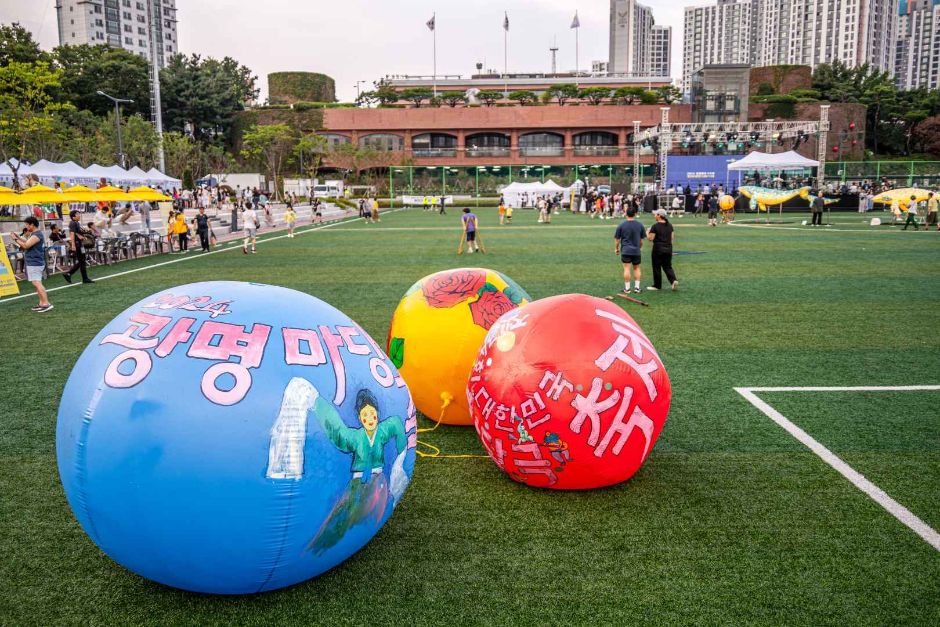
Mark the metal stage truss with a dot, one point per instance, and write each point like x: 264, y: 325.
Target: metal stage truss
x: 664, y: 136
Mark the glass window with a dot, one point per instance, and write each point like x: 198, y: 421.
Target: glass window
x: 595, y: 138
x: 382, y: 141
x: 333, y: 139
x: 548, y: 144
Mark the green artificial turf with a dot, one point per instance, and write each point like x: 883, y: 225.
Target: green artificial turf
x: 730, y: 520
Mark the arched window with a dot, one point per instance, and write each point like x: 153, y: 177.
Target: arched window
x: 434, y: 145
x: 382, y: 141
x: 488, y: 145
x: 333, y: 139
x: 601, y: 143
x: 543, y: 144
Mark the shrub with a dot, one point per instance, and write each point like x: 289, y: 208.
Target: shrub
x: 291, y: 87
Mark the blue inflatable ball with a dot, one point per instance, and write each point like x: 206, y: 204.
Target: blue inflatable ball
x: 233, y: 438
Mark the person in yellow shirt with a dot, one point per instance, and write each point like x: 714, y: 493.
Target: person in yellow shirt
x: 290, y: 217
x: 181, y: 229
x: 375, y: 211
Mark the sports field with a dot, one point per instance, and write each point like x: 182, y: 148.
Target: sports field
x: 731, y: 520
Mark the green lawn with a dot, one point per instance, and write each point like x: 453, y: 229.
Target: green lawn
x: 731, y: 520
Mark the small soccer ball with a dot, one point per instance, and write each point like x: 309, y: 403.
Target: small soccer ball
x: 437, y: 330
x: 233, y: 438
x: 568, y: 393
x: 726, y: 203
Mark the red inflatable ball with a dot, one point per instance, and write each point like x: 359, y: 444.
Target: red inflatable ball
x: 568, y: 393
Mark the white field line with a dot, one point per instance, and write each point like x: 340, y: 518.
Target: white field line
x: 188, y: 257
x: 807, y: 229
x: 908, y: 518
x: 492, y: 229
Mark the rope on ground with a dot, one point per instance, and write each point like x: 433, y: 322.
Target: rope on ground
x: 434, y: 452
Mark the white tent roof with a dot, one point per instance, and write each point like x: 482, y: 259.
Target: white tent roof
x: 137, y: 174
x: 767, y: 161
x: 156, y: 176
x: 97, y: 171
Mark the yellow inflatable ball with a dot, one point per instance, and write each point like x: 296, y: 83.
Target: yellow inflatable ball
x: 437, y: 331
x: 726, y: 203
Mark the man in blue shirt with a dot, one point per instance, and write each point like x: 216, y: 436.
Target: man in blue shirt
x: 628, y: 240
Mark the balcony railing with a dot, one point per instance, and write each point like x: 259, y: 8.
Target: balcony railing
x: 596, y: 151
x: 487, y: 152
x: 434, y: 152
x: 542, y: 151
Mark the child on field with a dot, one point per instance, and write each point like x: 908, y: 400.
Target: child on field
x: 290, y: 217
x: 502, y: 213
x: 508, y: 214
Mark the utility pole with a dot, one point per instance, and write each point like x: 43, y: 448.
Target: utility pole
x: 117, y: 123
x: 156, y: 107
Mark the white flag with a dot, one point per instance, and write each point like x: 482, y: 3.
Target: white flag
x: 430, y: 22
x: 575, y: 23
x: 506, y: 22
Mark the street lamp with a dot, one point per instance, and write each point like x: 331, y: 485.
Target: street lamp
x: 117, y: 122
x: 357, y: 88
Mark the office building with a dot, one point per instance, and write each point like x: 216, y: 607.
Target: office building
x: 660, y: 51
x: 918, y: 48
x: 127, y: 24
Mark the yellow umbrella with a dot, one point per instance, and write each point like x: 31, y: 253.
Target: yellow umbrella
x: 146, y: 193
x: 111, y: 194
x: 902, y: 195
x: 77, y: 193
x: 38, y: 195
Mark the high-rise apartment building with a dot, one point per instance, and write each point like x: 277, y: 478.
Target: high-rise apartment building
x: 917, y: 62
x: 720, y: 34
x: 660, y: 51
x: 636, y: 43
x: 121, y: 24
x: 791, y: 32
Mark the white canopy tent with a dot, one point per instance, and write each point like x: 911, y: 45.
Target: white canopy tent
x: 764, y: 161
x: 524, y: 194
x: 70, y: 173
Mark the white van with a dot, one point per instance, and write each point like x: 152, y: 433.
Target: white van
x: 326, y: 191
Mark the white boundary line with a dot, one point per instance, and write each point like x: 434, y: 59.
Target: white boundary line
x: 908, y: 518
x: 220, y: 248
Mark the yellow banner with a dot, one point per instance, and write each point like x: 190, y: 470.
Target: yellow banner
x: 8, y: 285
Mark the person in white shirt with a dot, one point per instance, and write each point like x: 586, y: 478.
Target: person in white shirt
x: 250, y: 216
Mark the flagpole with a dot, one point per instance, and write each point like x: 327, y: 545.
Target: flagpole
x: 434, y: 33
x: 505, y: 62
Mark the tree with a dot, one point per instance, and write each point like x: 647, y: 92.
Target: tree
x: 416, y: 95
x: 523, y: 96
x: 179, y: 151
x: 87, y: 69
x: 562, y: 92
x: 453, y: 98
x: 594, y: 95
x: 269, y: 146
x: 668, y: 94
x: 17, y: 45
x: 385, y: 93
x: 489, y: 96
x: 310, y: 149
x: 629, y: 95
x: 202, y: 96
x: 927, y: 135
x: 649, y: 97
x: 27, y: 105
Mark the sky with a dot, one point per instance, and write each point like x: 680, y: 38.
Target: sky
x: 364, y: 40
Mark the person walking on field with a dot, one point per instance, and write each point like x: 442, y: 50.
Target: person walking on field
x: 290, y: 218
x: 662, y: 235
x: 201, y: 221
x: 912, y: 215
x: 375, y: 211
x: 250, y: 216
x: 713, y: 210
x: 76, y: 245
x: 817, y: 206
x: 33, y: 246
x: 628, y: 242
x: 181, y: 229
x: 932, y: 205
x: 469, y: 221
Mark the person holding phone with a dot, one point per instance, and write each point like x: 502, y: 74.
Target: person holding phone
x: 33, y: 244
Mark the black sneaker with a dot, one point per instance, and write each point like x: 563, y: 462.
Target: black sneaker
x: 36, y: 308
x: 48, y: 307
x: 637, y: 290
x: 87, y: 281
x: 67, y: 277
